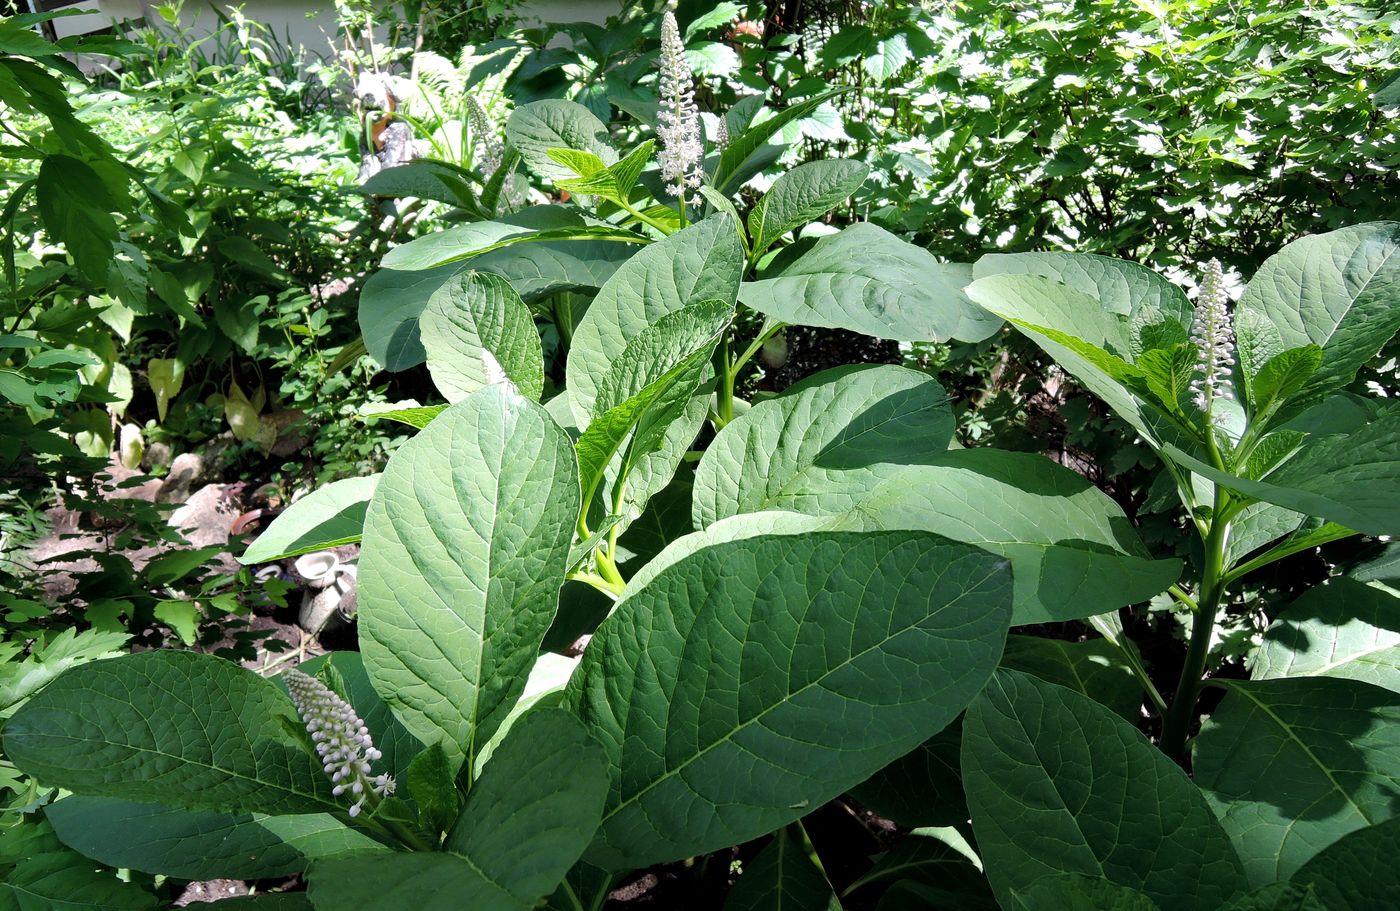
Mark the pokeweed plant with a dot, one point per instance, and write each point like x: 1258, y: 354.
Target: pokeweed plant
x: 830, y: 615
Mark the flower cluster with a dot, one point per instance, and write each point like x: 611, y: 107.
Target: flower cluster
x: 488, y: 144
x: 1214, y: 339
x: 342, y: 739
x: 678, y: 123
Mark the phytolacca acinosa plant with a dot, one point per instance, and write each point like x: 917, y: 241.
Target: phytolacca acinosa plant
x: 342, y: 740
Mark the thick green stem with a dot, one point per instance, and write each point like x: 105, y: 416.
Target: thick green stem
x: 1210, y: 595
x: 725, y: 404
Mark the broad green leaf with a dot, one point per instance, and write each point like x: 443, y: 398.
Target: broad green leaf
x: 464, y: 551
x: 224, y: 740
x: 420, y: 881
x: 1059, y: 784
x: 847, y: 417
x: 1073, y: 552
x: 477, y: 332
x: 805, y: 193
x: 63, y: 882
x: 425, y: 179
x: 415, y: 416
x: 1091, y: 337
x: 199, y: 844
x: 535, y: 806
x: 1341, y: 629
x: 1282, y: 377
x: 1358, y: 873
x: 866, y: 280
x: 76, y: 205
x: 1352, y: 479
x: 782, y: 876
x: 1278, y: 897
x: 327, y: 517
x: 741, y: 683
x: 166, y: 376
x: 1291, y: 765
x: 584, y: 164
x: 1335, y: 290
x: 922, y: 787
x: 1094, y: 668
x: 535, y: 128
x: 614, y: 182
x: 542, y: 224
x: 1152, y: 312
x: 432, y: 783
x: 391, y: 303
x: 647, y: 388
x: 701, y: 263
x: 939, y: 858
x: 1077, y: 892
x: 735, y: 162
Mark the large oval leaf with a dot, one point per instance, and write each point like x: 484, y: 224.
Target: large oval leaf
x: 742, y: 684
x: 477, y: 332
x: 849, y: 417
x: 180, y: 728
x: 1358, y: 873
x: 465, y: 548
x: 1341, y: 629
x: 1292, y: 765
x: 535, y: 128
x: 199, y: 844
x: 1059, y: 784
x: 866, y: 280
x: 703, y: 262
x: 1337, y: 290
x: 327, y: 517
x: 782, y: 876
x: 808, y: 191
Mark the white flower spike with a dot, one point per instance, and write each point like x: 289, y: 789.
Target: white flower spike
x: 678, y: 123
x: 1214, y: 339
x: 342, y: 739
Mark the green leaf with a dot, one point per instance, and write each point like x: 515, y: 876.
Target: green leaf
x: 90, y: 731
x: 327, y: 517
x: 199, y: 844
x: 1352, y: 479
x: 736, y: 159
x: 1335, y: 290
x: 613, y: 182
x: 1091, y: 337
x: 181, y: 616
x: 1077, y: 892
x: 1282, y: 377
x: 475, y: 239
x: 63, y: 882
x: 584, y: 164
x: 701, y: 263
x: 939, y: 858
x: 432, y: 785
x: 1073, y: 552
x: 1094, y: 668
x: 536, y: 805
x: 847, y: 417
x: 1167, y: 373
x: 1291, y: 765
x: 782, y: 876
x: 643, y: 391
x: 425, y: 179
x: 866, y: 280
x: 1357, y: 873
x: 1341, y: 629
x: 464, y: 551
x: 1059, y: 784
x: 923, y: 787
x: 802, y: 194
x: 76, y: 205
x: 535, y: 128
x: 1278, y: 897
x: 417, y: 417
x: 477, y: 332
x: 526, y: 821
x: 740, y: 683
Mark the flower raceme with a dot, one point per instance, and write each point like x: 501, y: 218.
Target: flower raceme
x: 678, y: 123
x: 341, y: 737
x: 1214, y: 338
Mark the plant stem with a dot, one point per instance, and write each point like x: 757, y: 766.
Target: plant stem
x: 644, y: 218
x: 725, y: 402
x: 1210, y: 595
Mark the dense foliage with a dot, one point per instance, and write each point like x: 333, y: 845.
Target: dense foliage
x: 645, y: 611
